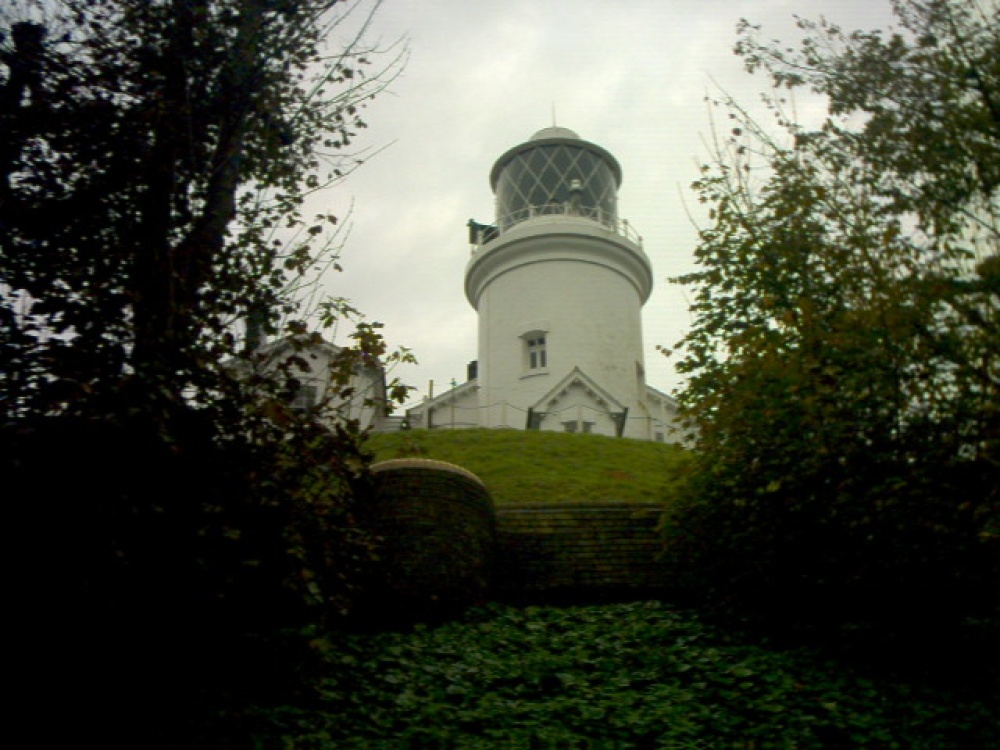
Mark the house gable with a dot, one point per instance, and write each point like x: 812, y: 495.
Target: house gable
x: 578, y: 404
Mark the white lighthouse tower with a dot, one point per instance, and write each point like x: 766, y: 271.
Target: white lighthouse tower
x: 558, y: 282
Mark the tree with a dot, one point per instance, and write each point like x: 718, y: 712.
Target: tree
x: 844, y: 380
x: 150, y: 153
x: 155, y: 158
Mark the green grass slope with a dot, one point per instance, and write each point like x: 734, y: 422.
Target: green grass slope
x: 520, y: 466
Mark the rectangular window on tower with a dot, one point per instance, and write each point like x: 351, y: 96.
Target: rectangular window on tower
x: 536, y: 353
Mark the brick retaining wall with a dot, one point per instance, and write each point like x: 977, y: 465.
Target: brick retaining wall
x: 447, y: 545
x: 439, y: 530
x: 607, y: 547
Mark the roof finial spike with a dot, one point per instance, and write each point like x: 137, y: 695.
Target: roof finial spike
x: 554, y: 115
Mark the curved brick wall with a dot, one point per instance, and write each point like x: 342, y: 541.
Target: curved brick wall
x: 438, y: 528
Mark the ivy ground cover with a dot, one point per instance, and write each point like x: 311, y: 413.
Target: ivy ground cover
x: 638, y: 675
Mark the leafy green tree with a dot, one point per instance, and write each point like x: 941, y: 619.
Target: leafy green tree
x: 150, y: 152
x: 178, y: 523
x: 844, y: 361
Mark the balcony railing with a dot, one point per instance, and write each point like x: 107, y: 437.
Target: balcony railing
x: 480, y: 234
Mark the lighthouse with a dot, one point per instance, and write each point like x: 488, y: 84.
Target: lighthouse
x: 558, y: 281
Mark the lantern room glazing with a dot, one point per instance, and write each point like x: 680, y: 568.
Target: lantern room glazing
x: 556, y: 172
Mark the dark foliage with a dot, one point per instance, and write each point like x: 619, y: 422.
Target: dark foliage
x: 179, y: 534
x: 163, y: 585
x: 844, y: 358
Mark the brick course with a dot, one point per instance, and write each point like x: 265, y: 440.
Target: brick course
x: 447, y: 546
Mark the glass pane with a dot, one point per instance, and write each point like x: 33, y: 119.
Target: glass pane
x: 538, y: 181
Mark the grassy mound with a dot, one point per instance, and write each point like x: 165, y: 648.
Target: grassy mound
x: 529, y: 466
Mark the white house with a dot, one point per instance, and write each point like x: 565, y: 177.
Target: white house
x: 558, y: 282
x: 311, y: 366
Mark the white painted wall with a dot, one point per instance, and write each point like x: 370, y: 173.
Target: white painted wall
x: 574, y: 280
x: 366, y: 400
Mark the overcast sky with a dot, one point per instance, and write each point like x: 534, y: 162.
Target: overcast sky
x: 484, y: 76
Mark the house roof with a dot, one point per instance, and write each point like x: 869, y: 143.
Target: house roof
x: 579, y: 378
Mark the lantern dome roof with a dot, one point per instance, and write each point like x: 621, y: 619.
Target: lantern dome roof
x: 554, y: 132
